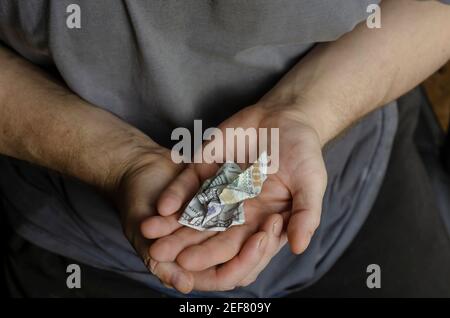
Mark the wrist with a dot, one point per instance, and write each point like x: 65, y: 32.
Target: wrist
x: 316, y: 113
x: 323, y: 117
x: 44, y: 123
x: 102, y: 147
x: 122, y: 154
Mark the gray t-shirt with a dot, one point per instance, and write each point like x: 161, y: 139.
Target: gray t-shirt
x: 159, y: 65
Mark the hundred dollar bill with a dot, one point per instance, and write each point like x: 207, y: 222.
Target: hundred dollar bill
x: 248, y: 184
x: 219, y: 203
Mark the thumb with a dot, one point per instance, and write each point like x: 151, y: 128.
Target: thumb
x: 307, y: 197
x: 184, y: 187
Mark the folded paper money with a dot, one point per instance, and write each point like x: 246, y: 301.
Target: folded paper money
x: 219, y: 204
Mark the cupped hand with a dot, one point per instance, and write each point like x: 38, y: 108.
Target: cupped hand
x: 294, y: 193
x: 142, y: 181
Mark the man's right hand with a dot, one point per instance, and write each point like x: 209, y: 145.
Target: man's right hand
x: 141, y: 182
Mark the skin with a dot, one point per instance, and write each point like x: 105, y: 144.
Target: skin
x: 363, y: 70
x: 332, y: 87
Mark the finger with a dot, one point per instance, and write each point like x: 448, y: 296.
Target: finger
x: 171, y: 274
x: 306, y: 210
x: 166, y: 249
x: 274, y: 228
x: 216, y: 250
x: 184, y: 187
x: 178, y: 192
x: 158, y: 226
x: 226, y: 276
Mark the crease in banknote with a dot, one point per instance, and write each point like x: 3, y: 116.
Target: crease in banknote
x: 219, y: 203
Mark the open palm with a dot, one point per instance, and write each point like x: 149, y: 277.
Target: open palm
x: 293, y: 193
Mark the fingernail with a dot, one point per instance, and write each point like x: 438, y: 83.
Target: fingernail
x: 153, y: 264
x: 275, y: 227
x: 306, y: 242
x: 262, y: 241
x: 180, y: 281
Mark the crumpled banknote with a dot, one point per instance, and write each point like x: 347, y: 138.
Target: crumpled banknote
x: 219, y: 204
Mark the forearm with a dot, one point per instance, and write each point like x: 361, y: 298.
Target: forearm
x: 339, y: 82
x: 44, y: 123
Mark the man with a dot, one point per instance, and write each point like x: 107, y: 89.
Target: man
x: 136, y: 70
